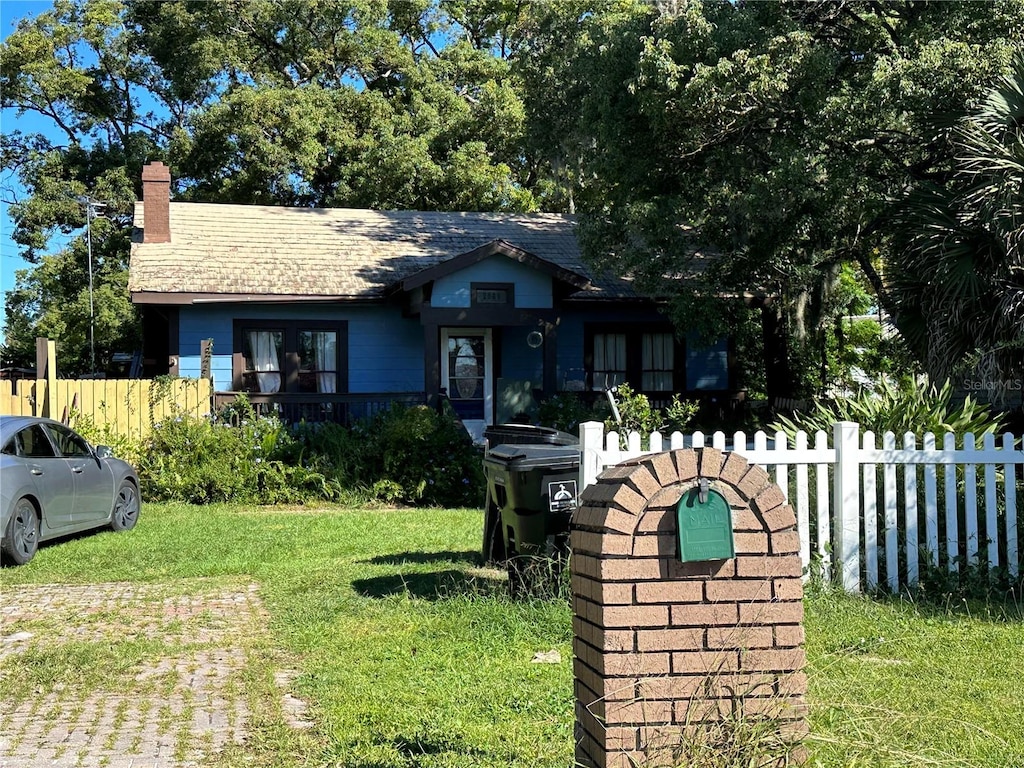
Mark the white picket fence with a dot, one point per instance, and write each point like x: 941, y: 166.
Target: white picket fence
x: 869, y: 514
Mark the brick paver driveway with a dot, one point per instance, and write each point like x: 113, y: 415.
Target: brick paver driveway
x: 172, y: 704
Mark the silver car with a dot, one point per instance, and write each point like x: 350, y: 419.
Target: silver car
x: 53, y: 483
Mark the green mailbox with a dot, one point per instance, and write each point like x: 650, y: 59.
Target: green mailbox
x: 705, y: 525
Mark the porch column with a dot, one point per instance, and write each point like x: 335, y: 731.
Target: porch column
x: 550, y: 358
x: 431, y: 360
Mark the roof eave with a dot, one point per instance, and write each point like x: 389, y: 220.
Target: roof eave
x: 183, y: 299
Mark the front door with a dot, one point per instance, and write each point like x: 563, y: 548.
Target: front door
x: 467, y: 372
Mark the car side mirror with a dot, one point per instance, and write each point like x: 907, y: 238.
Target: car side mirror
x: 103, y: 452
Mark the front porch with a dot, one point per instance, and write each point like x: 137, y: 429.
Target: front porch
x: 316, y: 408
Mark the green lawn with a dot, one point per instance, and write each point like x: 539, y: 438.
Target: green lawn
x: 410, y: 654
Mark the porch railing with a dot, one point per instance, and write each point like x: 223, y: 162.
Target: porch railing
x: 293, y: 407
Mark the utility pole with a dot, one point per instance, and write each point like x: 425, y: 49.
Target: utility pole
x: 92, y: 208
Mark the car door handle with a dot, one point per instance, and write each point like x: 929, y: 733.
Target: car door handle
x: 77, y: 470
x: 36, y: 471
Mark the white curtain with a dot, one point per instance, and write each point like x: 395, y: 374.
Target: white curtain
x: 609, y: 359
x: 325, y: 353
x: 658, y: 363
x: 264, y: 347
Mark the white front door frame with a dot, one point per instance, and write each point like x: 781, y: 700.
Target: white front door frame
x: 476, y: 426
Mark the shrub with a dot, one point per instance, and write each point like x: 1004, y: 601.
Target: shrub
x: 566, y: 411
x: 201, y: 461
x: 330, y: 448
x: 410, y: 455
x: 679, y: 413
x: 916, y: 409
x: 636, y: 414
x: 427, y: 455
x: 190, y: 459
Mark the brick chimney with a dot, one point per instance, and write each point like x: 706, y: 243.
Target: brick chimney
x: 156, y: 196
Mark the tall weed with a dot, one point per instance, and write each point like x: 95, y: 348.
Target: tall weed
x: 120, y: 444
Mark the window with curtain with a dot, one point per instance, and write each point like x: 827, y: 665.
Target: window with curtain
x: 647, y: 355
x: 290, y: 356
x: 318, y: 361
x: 658, y: 362
x: 609, y: 360
x: 262, y: 354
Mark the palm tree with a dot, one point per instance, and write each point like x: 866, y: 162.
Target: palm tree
x: 958, y: 277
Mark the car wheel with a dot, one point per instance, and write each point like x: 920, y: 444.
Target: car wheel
x: 126, y: 507
x: 21, y: 539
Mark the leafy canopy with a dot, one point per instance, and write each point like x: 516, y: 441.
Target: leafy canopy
x: 300, y: 102
x: 777, y: 138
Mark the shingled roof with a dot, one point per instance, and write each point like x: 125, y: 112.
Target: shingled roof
x: 236, y: 252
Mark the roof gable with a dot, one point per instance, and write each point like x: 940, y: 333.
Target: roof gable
x: 486, y: 251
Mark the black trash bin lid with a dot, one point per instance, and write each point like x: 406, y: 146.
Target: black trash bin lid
x: 524, y: 457
x: 527, y: 434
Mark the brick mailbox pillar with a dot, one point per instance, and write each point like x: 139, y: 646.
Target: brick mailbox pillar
x: 671, y: 655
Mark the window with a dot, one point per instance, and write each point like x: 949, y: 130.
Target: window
x: 609, y: 360
x: 68, y: 443
x: 708, y: 367
x: 658, y: 362
x: 31, y: 443
x: 318, y: 361
x: 467, y: 366
x: 263, y: 364
x: 645, y: 356
x: 290, y: 356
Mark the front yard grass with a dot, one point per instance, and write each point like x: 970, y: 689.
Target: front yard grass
x: 408, y: 653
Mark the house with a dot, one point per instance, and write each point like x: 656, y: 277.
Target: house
x: 323, y: 312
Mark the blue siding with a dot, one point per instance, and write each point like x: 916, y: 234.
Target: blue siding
x: 385, y: 350
x: 195, y: 324
x: 532, y: 287
x: 518, y: 360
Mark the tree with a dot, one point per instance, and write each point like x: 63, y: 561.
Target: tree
x: 299, y: 102
x: 384, y: 105
x: 72, y: 66
x: 959, y: 268
x: 775, y: 137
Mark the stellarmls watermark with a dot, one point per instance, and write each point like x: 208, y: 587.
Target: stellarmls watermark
x: 992, y: 385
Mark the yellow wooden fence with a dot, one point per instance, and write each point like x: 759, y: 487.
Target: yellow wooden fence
x: 128, y: 406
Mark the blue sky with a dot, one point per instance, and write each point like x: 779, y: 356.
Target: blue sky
x: 10, y: 258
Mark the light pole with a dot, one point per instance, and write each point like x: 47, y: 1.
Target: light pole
x: 91, y: 211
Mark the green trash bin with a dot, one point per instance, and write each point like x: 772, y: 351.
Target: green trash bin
x: 531, y: 495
